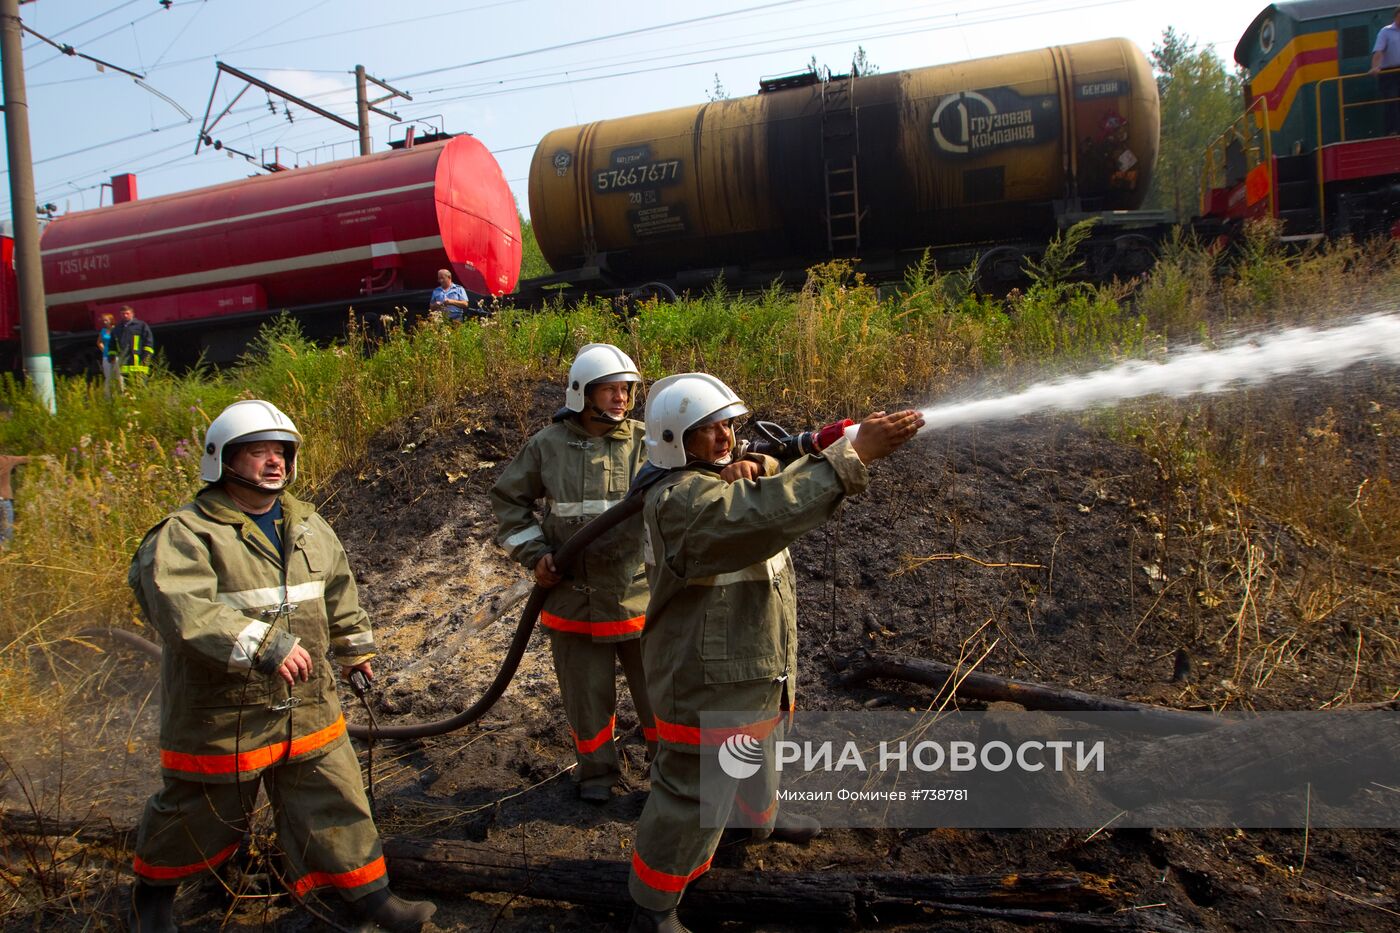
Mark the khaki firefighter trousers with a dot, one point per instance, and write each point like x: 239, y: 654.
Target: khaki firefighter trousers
x: 587, y: 672
x: 324, y: 829
x: 679, y: 832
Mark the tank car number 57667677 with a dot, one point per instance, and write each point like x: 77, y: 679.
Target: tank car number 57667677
x: 655, y: 173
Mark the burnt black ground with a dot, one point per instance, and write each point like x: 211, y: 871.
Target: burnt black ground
x: 1107, y: 603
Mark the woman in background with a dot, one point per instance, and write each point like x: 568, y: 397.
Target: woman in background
x: 110, y: 371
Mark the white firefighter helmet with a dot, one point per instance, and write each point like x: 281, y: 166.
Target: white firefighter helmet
x: 242, y: 423
x: 678, y: 403
x: 597, y: 362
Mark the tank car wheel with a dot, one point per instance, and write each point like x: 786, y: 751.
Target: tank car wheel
x: 998, y: 269
x: 649, y: 290
x: 626, y: 303
x: 1133, y: 255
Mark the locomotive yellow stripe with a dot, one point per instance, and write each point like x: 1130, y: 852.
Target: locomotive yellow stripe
x: 1305, y: 60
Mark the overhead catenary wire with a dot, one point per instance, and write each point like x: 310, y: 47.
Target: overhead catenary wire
x: 275, y: 26
x: 438, y: 101
x: 829, y: 36
x: 179, y: 35
x: 641, y: 30
x: 763, y: 51
x: 137, y: 77
x: 581, y: 42
x: 371, y: 28
x: 72, y: 52
x: 91, y: 19
x: 64, y: 185
x: 864, y: 32
x: 110, y: 32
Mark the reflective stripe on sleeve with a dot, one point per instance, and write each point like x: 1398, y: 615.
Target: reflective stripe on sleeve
x: 253, y: 760
x: 580, y: 627
x: 678, y: 734
x: 245, y: 646
x: 665, y: 881
x: 586, y: 508
x: 345, y: 879
x: 171, y: 872
x: 520, y: 537
x: 770, y: 569
x: 272, y: 595
x: 356, y: 641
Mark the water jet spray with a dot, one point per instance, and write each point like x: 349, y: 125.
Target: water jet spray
x: 1298, y: 351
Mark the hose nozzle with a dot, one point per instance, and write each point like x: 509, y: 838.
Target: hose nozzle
x: 359, y: 683
x: 778, y: 443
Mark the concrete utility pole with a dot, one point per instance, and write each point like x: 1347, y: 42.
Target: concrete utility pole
x: 363, y: 105
x: 29, y: 273
x: 362, y: 109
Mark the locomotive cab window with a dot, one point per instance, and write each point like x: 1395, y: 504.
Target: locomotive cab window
x: 1356, y: 42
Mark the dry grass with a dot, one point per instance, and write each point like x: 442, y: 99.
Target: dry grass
x: 837, y: 348
x: 1278, y: 512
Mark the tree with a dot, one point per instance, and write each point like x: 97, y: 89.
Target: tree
x: 718, y: 92
x: 532, y: 262
x: 1200, y: 99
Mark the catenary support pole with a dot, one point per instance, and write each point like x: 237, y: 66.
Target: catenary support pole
x: 34, y: 325
x: 362, y: 108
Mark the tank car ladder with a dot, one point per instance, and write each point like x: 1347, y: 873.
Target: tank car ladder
x: 840, y: 146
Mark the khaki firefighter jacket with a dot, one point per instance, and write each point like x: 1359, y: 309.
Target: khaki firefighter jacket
x: 721, y: 631
x: 229, y: 612
x: 576, y: 477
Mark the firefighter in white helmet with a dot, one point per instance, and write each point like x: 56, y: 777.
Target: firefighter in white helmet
x: 573, y: 471
x: 722, y: 617
x: 250, y: 591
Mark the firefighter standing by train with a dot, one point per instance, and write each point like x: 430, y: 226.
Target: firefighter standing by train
x: 577, y: 468
x: 250, y: 589
x: 130, y: 349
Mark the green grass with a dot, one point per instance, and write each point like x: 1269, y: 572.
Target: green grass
x: 836, y: 348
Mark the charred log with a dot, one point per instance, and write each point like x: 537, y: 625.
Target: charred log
x: 817, y: 898
x: 976, y: 685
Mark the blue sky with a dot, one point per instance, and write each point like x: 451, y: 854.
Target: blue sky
x: 508, y: 71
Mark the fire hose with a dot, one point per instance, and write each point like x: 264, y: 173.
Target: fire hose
x: 775, y: 443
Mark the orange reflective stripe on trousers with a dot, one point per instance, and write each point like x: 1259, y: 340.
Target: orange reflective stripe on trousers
x: 580, y: 627
x: 678, y: 734
x: 171, y: 872
x: 254, y: 759
x: 587, y: 746
x: 664, y: 881
x: 345, y: 879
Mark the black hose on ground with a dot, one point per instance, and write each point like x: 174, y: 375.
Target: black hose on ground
x: 564, y: 559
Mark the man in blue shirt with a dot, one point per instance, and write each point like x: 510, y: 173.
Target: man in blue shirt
x: 449, y: 298
x: 1386, y: 57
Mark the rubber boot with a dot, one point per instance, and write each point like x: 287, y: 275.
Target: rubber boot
x: 388, y: 911
x: 152, y: 908
x: 795, y: 828
x: 656, y: 921
x: 595, y: 793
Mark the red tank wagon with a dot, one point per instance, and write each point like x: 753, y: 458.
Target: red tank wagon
x: 203, y: 267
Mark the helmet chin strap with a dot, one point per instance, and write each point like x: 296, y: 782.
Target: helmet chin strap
x: 722, y: 461
x: 234, y: 476
x: 603, y: 416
